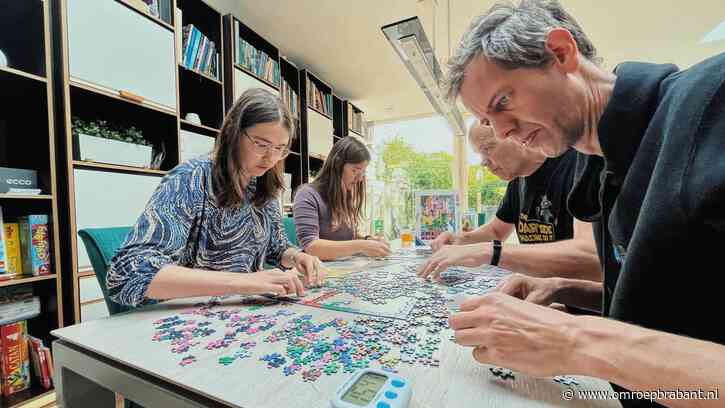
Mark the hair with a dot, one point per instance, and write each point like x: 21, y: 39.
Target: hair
x: 345, y: 208
x: 255, y: 106
x: 514, y: 37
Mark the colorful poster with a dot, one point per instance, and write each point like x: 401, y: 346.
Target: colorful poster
x: 436, y: 211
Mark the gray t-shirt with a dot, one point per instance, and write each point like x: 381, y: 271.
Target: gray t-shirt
x: 313, y: 219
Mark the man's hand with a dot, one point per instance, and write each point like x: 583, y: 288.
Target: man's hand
x: 445, y: 238
x: 519, y: 335
x: 542, y: 291
x: 452, y: 255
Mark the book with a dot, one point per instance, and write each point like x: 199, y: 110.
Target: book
x: 38, y: 361
x: 49, y: 362
x: 14, y: 361
x: 35, y: 244
x: 18, y: 303
x: 3, y: 256
x: 13, y: 257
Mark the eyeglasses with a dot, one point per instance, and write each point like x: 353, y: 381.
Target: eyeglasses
x: 262, y: 148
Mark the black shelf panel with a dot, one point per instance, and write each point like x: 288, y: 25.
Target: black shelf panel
x: 22, y: 36
x: 24, y: 143
x: 201, y: 96
x: 158, y: 128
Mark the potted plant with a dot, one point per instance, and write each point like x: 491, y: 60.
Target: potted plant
x: 99, y: 141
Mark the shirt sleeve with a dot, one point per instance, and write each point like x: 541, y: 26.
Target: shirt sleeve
x: 306, y: 215
x: 278, y: 242
x: 507, y: 210
x: 159, y: 237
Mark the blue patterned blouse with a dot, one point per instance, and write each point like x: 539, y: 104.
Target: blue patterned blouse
x: 182, y: 225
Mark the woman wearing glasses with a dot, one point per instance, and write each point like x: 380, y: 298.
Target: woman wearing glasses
x: 213, y: 220
x: 328, y: 211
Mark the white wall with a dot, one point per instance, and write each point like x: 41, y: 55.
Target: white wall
x: 105, y: 199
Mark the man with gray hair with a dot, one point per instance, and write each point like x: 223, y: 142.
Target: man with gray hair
x: 552, y: 242
x: 654, y: 181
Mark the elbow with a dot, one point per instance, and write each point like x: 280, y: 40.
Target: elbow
x: 126, y: 283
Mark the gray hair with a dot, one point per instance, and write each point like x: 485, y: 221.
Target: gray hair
x: 514, y: 37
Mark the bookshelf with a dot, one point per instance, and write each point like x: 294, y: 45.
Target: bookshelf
x: 27, y: 87
x: 201, y: 79
x: 354, y: 119
x: 317, y: 122
x: 151, y: 86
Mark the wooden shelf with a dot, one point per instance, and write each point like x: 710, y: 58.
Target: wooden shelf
x: 318, y: 157
x: 147, y: 15
x: 4, y: 196
x: 117, y: 168
x: 36, y: 396
x: 205, y: 76
x: 294, y: 153
x: 255, y: 76
x: 23, y: 74
x: 111, y: 94
x: 355, y: 132
x: 201, y: 128
x: 26, y: 279
x: 320, y: 112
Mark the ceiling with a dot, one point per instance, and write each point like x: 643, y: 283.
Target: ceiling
x: 341, y: 41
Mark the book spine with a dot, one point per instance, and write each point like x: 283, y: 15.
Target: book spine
x: 35, y: 245
x: 15, y: 361
x: 14, y: 264
x: 3, y: 250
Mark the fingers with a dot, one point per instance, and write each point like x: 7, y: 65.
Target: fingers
x: 296, y: 285
x: 511, y: 286
x: 474, y: 303
x: 470, y: 337
x: 466, y: 320
x: 321, y: 272
x: 272, y: 288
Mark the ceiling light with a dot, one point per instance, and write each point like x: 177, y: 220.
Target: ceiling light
x: 410, y: 42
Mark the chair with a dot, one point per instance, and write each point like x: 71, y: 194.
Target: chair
x: 101, y: 244
x: 290, y: 230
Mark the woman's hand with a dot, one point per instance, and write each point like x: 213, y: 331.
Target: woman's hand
x: 271, y: 281
x: 375, y: 248
x: 311, y: 268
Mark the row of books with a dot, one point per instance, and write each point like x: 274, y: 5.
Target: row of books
x: 354, y: 119
x: 160, y: 9
x: 256, y: 61
x: 18, y: 353
x: 18, y: 303
x: 289, y: 96
x: 199, y: 52
x: 24, y: 246
x: 318, y: 99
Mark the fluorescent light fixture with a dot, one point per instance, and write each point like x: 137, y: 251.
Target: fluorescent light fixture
x: 718, y: 34
x: 410, y: 42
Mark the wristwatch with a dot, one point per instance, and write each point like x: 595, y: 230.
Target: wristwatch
x: 496, y: 252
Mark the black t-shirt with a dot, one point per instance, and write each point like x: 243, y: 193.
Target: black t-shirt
x: 536, y: 204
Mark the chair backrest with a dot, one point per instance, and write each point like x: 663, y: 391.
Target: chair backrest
x: 290, y: 230
x: 101, y: 244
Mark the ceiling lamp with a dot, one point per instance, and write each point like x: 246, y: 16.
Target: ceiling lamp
x: 411, y: 44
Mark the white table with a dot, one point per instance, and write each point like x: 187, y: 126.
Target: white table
x: 116, y: 354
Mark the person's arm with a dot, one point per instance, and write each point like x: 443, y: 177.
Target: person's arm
x: 494, y: 229
x: 602, y: 344
x: 159, y: 236
x: 543, y: 342
x: 327, y: 250
x: 574, y: 258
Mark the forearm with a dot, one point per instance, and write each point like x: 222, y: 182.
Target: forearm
x: 484, y: 234
x: 328, y: 250
x: 173, y: 281
x: 566, y: 259
x: 647, y: 360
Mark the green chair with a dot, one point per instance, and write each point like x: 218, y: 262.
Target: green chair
x: 101, y: 244
x: 290, y: 230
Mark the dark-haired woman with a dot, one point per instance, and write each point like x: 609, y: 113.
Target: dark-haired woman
x: 328, y: 211
x: 213, y: 220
